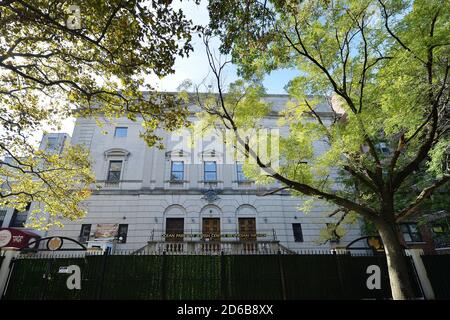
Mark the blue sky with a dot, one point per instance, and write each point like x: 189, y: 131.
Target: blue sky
x: 196, y: 68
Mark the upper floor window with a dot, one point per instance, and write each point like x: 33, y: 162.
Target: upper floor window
x: 177, y: 171
x: 2, y: 216
x: 114, y: 171
x: 410, y: 232
x: 52, y: 143
x: 122, y: 233
x: 121, y: 132
x: 210, y: 171
x: 85, y: 233
x: 383, y: 148
x: 239, y: 173
x: 298, y: 234
x: 19, y: 218
x: 439, y: 227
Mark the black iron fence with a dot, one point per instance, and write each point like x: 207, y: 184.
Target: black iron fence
x: 304, y: 276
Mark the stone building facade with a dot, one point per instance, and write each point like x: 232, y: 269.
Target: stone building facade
x: 174, y: 198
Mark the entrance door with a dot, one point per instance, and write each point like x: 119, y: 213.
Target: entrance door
x: 247, y: 229
x: 211, y: 229
x: 174, y: 229
x: 211, y: 233
x: 247, y: 234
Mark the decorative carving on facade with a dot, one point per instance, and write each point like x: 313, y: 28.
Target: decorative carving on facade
x: 210, y: 196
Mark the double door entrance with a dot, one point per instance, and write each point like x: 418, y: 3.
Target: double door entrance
x: 247, y: 229
x: 175, y: 229
x: 211, y: 229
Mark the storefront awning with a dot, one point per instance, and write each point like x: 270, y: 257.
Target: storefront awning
x: 16, y: 238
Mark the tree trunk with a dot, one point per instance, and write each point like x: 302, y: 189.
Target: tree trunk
x: 396, y: 261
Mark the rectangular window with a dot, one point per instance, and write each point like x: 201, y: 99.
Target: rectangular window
x: 239, y: 173
x: 383, y: 148
x: 410, y: 232
x: 298, y: 234
x: 121, y: 132
x: 2, y: 216
x: 177, y: 171
x: 19, y: 218
x: 122, y: 233
x: 115, y: 168
x: 52, y: 143
x: 441, y: 227
x: 85, y: 233
x: 210, y: 171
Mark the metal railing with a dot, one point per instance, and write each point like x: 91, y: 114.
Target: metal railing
x: 213, y: 247
x: 231, y: 234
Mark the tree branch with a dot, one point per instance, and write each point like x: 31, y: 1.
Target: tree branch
x: 426, y: 193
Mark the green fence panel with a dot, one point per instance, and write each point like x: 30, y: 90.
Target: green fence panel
x: 90, y: 268
x: 40, y: 279
x: 175, y: 277
x: 354, y: 277
x: 253, y: 277
x: 438, y: 270
x: 26, y: 281
x: 311, y: 277
x: 131, y: 277
x: 191, y: 277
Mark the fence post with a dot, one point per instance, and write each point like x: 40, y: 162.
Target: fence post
x: 421, y: 273
x: 282, y: 278
x: 163, y: 276
x: 5, y: 269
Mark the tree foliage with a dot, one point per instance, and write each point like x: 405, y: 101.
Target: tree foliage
x: 382, y: 67
x: 56, y: 61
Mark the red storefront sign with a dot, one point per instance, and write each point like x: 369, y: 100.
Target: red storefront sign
x: 16, y: 238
